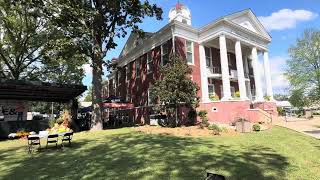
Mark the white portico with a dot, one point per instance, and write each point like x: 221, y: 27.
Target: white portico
x: 240, y: 36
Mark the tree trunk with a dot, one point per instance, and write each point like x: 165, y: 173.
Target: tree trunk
x: 96, y: 120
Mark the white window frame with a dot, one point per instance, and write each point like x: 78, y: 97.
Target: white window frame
x: 136, y: 66
x: 192, y: 52
x: 149, y: 60
x: 210, y: 56
x: 162, y: 55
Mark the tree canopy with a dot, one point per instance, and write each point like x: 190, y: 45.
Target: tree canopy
x: 32, y: 48
x: 95, y: 25
x: 175, y: 88
x: 304, y: 65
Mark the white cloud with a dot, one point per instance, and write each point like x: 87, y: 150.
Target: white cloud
x: 280, y: 83
x: 87, y: 69
x: 277, y: 68
x: 286, y: 18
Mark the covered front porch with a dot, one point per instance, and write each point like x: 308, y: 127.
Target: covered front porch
x: 230, y: 69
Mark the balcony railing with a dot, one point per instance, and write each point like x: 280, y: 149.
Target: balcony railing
x: 233, y: 74
x: 214, y: 70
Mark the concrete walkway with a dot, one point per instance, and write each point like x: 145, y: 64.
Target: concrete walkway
x: 308, y: 127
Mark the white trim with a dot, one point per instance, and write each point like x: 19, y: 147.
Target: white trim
x: 192, y: 51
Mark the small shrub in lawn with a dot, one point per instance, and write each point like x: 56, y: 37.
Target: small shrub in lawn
x: 202, y: 114
x: 224, y: 129
x: 204, y: 120
x: 216, y: 130
x: 256, y: 127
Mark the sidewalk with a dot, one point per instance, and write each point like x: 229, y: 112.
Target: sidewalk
x: 308, y: 127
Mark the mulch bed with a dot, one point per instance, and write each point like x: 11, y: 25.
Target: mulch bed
x: 184, y: 131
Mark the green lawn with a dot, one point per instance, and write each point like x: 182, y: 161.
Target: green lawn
x: 125, y: 154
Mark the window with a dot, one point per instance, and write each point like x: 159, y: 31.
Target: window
x: 208, y: 56
x: 211, y: 90
x: 164, y: 54
x: 149, y: 62
x: 229, y: 60
x: 137, y: 68
x: 189, y: 51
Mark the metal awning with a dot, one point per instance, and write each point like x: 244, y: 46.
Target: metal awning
x: 39, y: 91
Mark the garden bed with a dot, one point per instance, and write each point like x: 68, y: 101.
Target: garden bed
x: 184, y: 131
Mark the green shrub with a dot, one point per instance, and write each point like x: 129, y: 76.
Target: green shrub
x: 237, y: 94
x: 215, y: 129
x: 267, y: 98
x: 204, y: 120
x: 224, y: 129
x: 280, y: 111
x: 214, y: 97
x: 202, y: 114
x: 256, y: 127
x: 201, y: 126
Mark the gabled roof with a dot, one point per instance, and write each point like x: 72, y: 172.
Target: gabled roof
x: 132, y: 42
x: 246, y: 20
x: 252, y: 18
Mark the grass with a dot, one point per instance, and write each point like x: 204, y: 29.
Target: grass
x: 278, y: 153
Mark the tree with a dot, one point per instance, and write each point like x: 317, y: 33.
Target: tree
x: 88, y: 97
x: 96, y: 24
x: 32, y: 48
x: 175, y: 88
x: 304, y: 65
x: 298, y: 99
x: 281, y: 97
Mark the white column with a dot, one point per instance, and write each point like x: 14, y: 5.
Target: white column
x: 203, y: 72
x: 257, y: 77
x: 241, y: 79
x: 224, y: 69
x: 267, y: 74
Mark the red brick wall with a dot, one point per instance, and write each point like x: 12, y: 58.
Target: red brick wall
x: 181, y: 50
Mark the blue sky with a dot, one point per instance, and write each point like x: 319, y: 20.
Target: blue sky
x: 284, y: 19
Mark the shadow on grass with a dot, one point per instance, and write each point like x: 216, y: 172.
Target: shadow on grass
x: 139, y: 156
